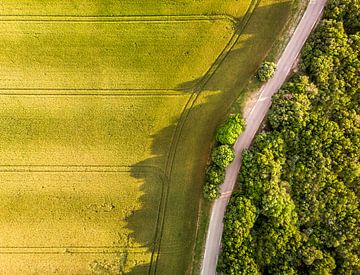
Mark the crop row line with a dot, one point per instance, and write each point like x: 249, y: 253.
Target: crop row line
x: 124, y: 18
x: 95, y: 95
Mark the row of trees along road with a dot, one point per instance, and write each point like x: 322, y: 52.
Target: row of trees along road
x: 222, y: 155
x: 296, y: 209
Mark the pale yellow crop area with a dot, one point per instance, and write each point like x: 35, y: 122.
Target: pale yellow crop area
x: 92, y: 54
x: 83, y: 129
x: 234, y: 8
x: 71, y: 213
x: 84, y: 92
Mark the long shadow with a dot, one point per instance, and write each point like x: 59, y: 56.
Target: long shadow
x: 191, y: 137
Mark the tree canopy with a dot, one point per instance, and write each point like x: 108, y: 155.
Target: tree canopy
x: 266, y: 71
x: 230, y: 130
x: 222, y: 155
x: 297, y: 207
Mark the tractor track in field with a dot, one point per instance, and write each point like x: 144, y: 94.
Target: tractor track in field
x: 119, y: 18
x: 185, y: 114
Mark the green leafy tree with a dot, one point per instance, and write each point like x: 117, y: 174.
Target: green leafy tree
x: 324, y: 265
x: 303, y: 173
x: 230, y: 130
x: 236, y: 257
x: 266, y: 71
x: 215, y: 175
x: 222, y: 155
x: 211, y: 191
x: 347, y: 11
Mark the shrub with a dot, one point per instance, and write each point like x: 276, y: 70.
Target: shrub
x: 266, y: 71
x: 215, y: 175
x: 230, y: 130
x: 211, y: 191
x: 222, y: 155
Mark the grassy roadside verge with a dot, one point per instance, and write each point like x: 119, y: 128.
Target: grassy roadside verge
x: 250, y: 93
x: 245, y: 96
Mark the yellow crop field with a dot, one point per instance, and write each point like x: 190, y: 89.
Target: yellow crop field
x: 107, y: 112
x: 89, y: 53
x: 83, y: 129
x: 75, y: 211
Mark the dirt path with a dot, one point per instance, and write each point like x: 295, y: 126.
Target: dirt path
x: 253, y: 122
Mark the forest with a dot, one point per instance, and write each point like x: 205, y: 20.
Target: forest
x: 296, y: 207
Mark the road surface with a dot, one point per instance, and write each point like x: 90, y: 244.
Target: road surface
x: 253, y: 122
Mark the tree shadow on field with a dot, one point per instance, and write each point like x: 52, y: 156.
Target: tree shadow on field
x: 196, y: 129
x: 144, y: 223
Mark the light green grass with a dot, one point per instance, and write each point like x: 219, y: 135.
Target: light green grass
x: 89, y: 96
x: 198, y: 132
x: 249, y: 87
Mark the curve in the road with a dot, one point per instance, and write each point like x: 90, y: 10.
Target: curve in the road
x: 253, y: 121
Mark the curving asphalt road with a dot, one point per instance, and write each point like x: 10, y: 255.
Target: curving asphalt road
x: 253, y: 122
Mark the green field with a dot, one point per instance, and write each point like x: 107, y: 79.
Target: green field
x: 106, y: 120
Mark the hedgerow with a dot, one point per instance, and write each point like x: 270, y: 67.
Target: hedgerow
x: 222, y: 155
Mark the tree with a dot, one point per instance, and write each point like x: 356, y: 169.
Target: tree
x: 222, y: 155
x: 211, y: 191
x: 230, y: 130
x: 266, y: 71
x: 347, y: 11
x: 215, y: 175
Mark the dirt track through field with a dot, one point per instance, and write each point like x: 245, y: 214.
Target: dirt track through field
x: 253, y: 122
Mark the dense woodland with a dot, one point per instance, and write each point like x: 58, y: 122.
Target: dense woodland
x: 296, y: 210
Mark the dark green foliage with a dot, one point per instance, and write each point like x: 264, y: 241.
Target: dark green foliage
x: 331, y: 58
x: 211, y: 191
x: 215, y: 175
x: 347, y: 11
x: 291, y: 104
x: 239, y: 220
x: 229, y: 132
x: 303, y: 174
x: 266, y: 71
x: 323, y: 265
x: 222, y: 155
